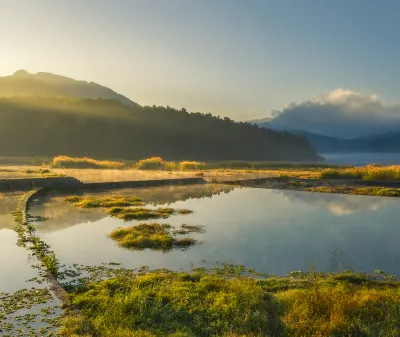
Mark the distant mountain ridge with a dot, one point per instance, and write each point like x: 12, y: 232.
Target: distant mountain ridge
x: 105, y: 128
x: 386, y: 142
x: 23, y: 83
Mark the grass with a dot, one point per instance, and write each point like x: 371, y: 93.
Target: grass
x: 152, y: 236
x: 374, y: 191
x: 142, y: 213
x: 157, y: 163
x: 369, y: 172
x: 104, y: 202
x: 85, y: 163
x: 192, y: 165
x: 228, y: 302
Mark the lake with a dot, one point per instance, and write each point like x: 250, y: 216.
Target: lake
x: 272, y: 231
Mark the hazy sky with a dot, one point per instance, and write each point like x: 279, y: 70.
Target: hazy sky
x: 236, y: 58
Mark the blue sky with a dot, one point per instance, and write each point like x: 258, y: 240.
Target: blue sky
x: 234, y: 58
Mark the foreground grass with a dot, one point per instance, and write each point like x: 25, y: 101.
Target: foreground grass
x: 153, y: 236
x: 373, y: 191
x: 216, y: 303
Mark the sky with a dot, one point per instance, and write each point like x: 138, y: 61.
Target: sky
x: 235, y: 58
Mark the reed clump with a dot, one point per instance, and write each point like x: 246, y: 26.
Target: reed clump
x: 85, y: 163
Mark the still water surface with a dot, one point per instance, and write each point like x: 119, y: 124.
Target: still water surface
x: 270, y: 230
x: 15, y: 264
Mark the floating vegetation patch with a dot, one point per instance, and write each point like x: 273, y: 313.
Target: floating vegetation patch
x: 126, y: 208
x: 374, y: 191
x: 232, y: 301
x: 28, y: 312
x: 104, y: 202
x: 153, y: 236
x: 142, y: 213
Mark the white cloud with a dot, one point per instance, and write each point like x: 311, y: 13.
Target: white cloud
x: 341, y: 112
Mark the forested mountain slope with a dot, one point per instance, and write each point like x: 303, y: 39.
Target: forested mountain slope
x: 104, y: 128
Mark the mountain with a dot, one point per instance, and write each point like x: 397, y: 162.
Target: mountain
x: 106, y: 128
x: 388, y: 142
x: 22, y: 83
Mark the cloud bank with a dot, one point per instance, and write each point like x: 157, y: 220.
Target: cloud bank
x: 340, y: 113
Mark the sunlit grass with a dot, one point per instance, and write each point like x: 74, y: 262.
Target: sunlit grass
x: 374, y: 191
x: 192, y: 165
x: 369, y: 172
x: 104, y: 202
x: 230, y: 302
x: 84, y: 163
x: 155, y: 163
x: 142, y: 213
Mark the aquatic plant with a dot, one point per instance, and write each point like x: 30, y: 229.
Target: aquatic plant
x: 19, y: 313
x: 82, y: 163
x: 28, y: 239
x: 153, y: 236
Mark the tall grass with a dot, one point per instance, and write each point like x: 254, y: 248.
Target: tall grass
x: 369, y: 172
x: 157, y: 163
x: 85, y: 163
x: 192, y: 165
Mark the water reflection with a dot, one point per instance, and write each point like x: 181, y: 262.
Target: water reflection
x: 8, y: 203
x: 337, y: 204
x: 271, y: 231
x: 63, y: 214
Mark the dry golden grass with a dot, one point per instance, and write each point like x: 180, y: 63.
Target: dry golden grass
x: 369, y: 172
x: 84, y: 163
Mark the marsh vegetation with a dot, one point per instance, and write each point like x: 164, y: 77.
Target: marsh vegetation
x: 154, y: 236
x: 125, y: 208
x: 233, y: 301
